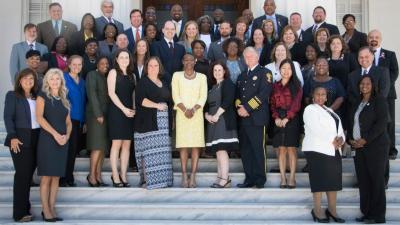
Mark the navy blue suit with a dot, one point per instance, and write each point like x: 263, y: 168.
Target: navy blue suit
x: 172, y: 62
x: 131, y: 37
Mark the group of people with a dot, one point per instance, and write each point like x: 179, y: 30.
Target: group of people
x: 195, y: 85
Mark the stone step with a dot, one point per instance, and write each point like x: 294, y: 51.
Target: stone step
x: 205, y: 179
x: 205, y: 165
x: 193, y: 195
x: 200, y: 212
x: 183, y: 222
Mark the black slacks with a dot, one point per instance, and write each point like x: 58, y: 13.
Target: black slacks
x: 24, y: 165
x: 252, y: 150
x: 74, y: 147
x: 392, y: 136
x: 370, y: 170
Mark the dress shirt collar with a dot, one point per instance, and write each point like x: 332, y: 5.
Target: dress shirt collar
x: 270, y: 16
x: 105, y: 17
x: 252, y: 68
x: 365, y: 69
x: 168, y: 41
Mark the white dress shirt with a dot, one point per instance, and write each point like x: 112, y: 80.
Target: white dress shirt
x: 276, y: 75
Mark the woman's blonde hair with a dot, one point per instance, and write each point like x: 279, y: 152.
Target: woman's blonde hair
x: 62, y: 91
x: 185, y: 37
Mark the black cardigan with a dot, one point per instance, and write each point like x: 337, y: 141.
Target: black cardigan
x: 146, y: 118
x: 227, y: 103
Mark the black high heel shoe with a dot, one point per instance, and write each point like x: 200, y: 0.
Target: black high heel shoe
x: 52, y: 220
x: 316, y: 219
x: 117, y: 185
x: 125, y: 184
x: 336, y: 219
x: 91, y: 184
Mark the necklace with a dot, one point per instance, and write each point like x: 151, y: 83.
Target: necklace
x: 190, y: 77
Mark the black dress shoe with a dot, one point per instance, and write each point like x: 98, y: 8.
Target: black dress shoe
x: 374, y: 221
x: 336, y: 219
x: 259, y: 186
x: 59, y: 219
x: 72, y: 184
x: 244, y: 185
x: 319, y: 220
x: 52, y: 220
x: 361, y: 219
x: 393, y: 156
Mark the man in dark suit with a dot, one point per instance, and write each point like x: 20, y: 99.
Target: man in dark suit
x: 295, y: 21
x: 19, y: 50
x: 387, y: 59
x: 215, y: 50
x: 176, y: 14
x: 56, y: 26
x: 107, y: 8
x: 319, y: 16
x: 253, y: 90
x: 248, y: 14
x: 279, y: 21
x: 169, y: 52
x: 218, y: 17
x: 134, y: 33
x: 354, y: 38
x: 379, y: 74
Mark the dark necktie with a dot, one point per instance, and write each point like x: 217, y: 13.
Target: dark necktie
x: 365, y: 72
x: 171, y: 47
x: 376, y: 61
x: 31, y: 46
x: 314, y: 28
x: 217, y: 34
x: 109, y: 19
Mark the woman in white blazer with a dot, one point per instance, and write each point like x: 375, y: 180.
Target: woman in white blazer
x: 322, y: 144
x: 278, y: 54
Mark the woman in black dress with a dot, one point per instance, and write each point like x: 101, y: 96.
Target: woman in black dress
x: 341, y: 63
x: 297, y: 51
x: 221, y: 135
x: 87, y: 31
x: 367, y: 135
x: 22, y: 137
x: 121, y: 85
x: 321, y: 38
x: 353, y: 38
x: 202, y: 65
x: 322, y: 143
x: 52, y: 113
x: 89, y: 57
x: 285, y: 106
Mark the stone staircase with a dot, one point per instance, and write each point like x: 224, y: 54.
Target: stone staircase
x: 202, y: 205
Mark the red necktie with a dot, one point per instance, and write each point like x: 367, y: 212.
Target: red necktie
x: 137, y: 38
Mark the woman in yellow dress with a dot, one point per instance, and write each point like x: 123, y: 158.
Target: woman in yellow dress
x: 189, y: 92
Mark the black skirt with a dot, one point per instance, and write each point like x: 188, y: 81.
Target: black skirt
x: 325, y: 172
x: 288, y: 136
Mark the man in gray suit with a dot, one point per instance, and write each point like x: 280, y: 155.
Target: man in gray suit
x: 19, y: 50
x: 215, y: 50
x: 107, y: 8
x: 56, y: 26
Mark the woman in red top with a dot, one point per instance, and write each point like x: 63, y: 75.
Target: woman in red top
x: 285, y: 106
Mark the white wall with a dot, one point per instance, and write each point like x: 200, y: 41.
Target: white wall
x: 383, y: 15
x: 304, y: 7
x: 11, y: 21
